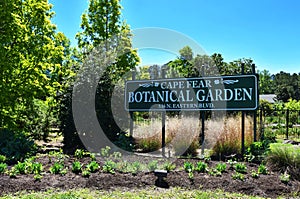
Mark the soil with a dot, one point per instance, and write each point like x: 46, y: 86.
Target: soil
x: 265, y: 186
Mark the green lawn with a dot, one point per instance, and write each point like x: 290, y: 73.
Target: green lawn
x: 145, y: 193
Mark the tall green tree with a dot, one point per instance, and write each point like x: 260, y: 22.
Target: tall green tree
x: 31, y: 61
x: 102, y: 26
x: 266, y: 83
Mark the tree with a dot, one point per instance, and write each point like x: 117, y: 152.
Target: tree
x: 103, y: 30
x: 186, y: 53
x: 287, y: 86
x: 31, y: 61
x: 266, y: 83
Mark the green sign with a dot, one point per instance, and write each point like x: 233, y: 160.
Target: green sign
x: 190, y: 94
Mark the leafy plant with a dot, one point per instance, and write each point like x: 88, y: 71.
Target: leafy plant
x: 191, y: 175
x: 3, y: 167
x: 2, y: 158
x: 109, y: 166
x: 79, y: 153
x: 221, y: 167
x: 201, y: 167
x: 92, y: 166
x: 231, y: 164
x: 21, y: 167
x: 188, y: 166
x: 136, y: 166
x: 169, y: 166
x: 37, y: 177
x: 262, y: 169
x: 105, y: 151
x: 13, y: 172
x: 153, y: 165
x: 76, y: 167
x: 86, y: 173
x: 285, y: 177
x: 238, y: 176
x: 16, y: 146
x: 240, y: 168
x: 254, y: 174
x: 57, y: 168
x: 214, y: 172
x: 116, y: 155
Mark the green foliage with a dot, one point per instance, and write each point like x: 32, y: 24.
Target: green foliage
x: 57, y: 168
x: 262, y: 169
x: 3, y: 167
x: 240, y: 168
x: 13, y: 172
x: 2, y: 158
x: 214, y: 172
x: 285, y: 156
x: 86, y: 173
x: 266, y: 84
x: 153, y: 165
x: 257, y: 150
x: 135, y: 167
x: 201, y: 167
x: 254, y: 174
x: 37, y: 177
x: 149, y: 144
x: 169, y: 166
x: 286, y: 86
x: 109, y: 166
x: 105, y: 151
x: 221, y: 167
x: 92, y: 166
x: 285, y: 177
x: 76, y: 167
x: 80, y: 153
x: 21, y: 167
x: 188, y: 166
x: 238, y: 176
x: 15, y: 145
x: 31, y: 65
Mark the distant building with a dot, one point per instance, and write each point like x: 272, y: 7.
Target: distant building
x: 271, y: 98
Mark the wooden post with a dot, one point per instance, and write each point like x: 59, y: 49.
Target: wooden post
x: 131, y: 113
x: 163, y: 119
x: 243, y: 120
x: 254, y: 113
x: 287, y: 124
x: 202, y: 123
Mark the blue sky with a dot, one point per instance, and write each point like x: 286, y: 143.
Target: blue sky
x: 267, y: 31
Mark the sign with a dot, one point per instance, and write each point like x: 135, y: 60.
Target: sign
x: 190, y: 94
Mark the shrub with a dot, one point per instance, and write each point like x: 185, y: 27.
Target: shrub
x: 169, y: 166
x: 285, y: 157
x: 3, y: 167
x: 76, y: 167
x: 254, y: 174
x: 79, y: 153
x: 2, y: 158
x: 21, y: 167
x: 238, y: 176
x: 105, y: 151
x: 240, y: 168
x: 16, y: 146
x: 188, y: 166
x: 92, y: 166
x: 262, y: 169
x: 57, y: 168
x: 221, y: 167
x: 149, y: 144
x: 201, y: 167
x: 109, y: 166
x: 86, y: 173
x: 153, y: 165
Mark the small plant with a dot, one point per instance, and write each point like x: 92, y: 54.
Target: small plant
x: 109, y: 166
x: 240, y: 168
x: 3, y: 167
x: 152, y: 165
x: 105, y: 151
x: 214, y: 172
x: 13, y: 172
x: 37, y: 177
x: 37, y: 168
x: 254, y: 174
x: 63, y: 171
x: 238, y: 176
x: 86, y: 173
x: 79, y: 153
x: 262, y: 169
x: 221, y: 167
x: 285, y: 177
x: 21, y: 167
x: 169, y: 166
x: 191, y: 176
x: 231, y: 164
x: 201, y: 167
x: 2, y: 158
x: 93, y: 156
x: 76, y: 167
x: 123, y: 166
x: 188, y: 167
x: 57, y: 168
x: 92, y: 166
x: 116, y: 155
x: 136, y: 166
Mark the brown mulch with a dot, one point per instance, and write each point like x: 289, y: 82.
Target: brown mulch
x: 265, y: 186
